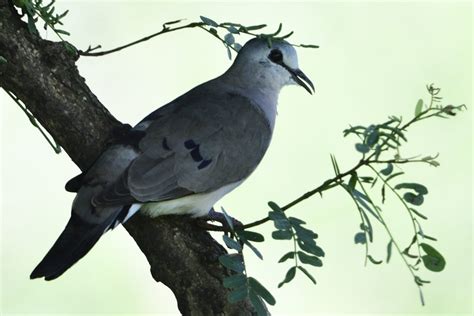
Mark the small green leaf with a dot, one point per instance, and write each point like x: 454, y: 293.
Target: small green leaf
x: 282, y: 234
x: 2, y: 60
x: 254, y: 249
x: 388, y: 170
x: 209, y: 21
x: 305, y: 234
x: 228, y: 219
x: 71, y: 49
x: 312, y: 260
x: 237, y: 47
x: 290, y: 274
x: 307, y: 274
x: 19, y: 3
x: 418, y: 188
x: 309, y: 46
x: 418, y: 213
x: 232, y: 262
x: 277, y: 216
x: 433, y: 260
x: 389, y: 250
x: 283, y: 224
x: 311, y: 247
x: 362, y: 148
x: 234, y: 281
x: 383, y: 193
x: 231, y: 243
x: 261, y: 291
x: 368, y: 180
x: 373, y: 138
x: 275, y: 206
x: 373, y: 260
x: 62, y: 32
x: 335, y: 165
x: 255, y: 27
x: 232, y: 29
x: 239, y: 294
x: 172, y: 22
x: 420, y: 282
x: 422, y: 299
x: 428, y: 237
x: 258, y: 304
x: 353, y: 181
x: 413, y: 198
x: 229, y: 39
x: 361, y: 199
x: 296, y: 221
x: 289, y: 255
x: 213, y: 31
x: 418, y: 107
x: 360, y: 238
x: 250, y: 236
x: 31, y: 25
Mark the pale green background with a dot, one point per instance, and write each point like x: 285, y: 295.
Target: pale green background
x: 374, y: 61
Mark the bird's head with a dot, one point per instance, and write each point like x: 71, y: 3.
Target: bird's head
x: 273, y: 67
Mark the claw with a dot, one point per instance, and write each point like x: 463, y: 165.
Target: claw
x: 220, y: 217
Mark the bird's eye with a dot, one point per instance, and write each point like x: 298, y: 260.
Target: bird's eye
x: 276, y: 56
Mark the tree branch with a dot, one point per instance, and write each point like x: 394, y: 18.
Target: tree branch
x: 44, y: 76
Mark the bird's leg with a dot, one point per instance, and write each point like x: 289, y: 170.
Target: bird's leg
x: 220, y: 217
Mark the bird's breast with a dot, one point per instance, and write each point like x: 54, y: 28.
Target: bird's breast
x: 197, y: 205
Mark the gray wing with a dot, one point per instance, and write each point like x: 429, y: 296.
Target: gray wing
x: 193, y: 147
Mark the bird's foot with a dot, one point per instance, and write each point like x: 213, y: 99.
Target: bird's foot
x: 214, y: 216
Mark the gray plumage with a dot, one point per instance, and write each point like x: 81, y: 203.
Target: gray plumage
x: 183, y: 157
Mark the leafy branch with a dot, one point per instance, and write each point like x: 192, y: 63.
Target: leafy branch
x: 241, y: 285
x: 375, y: 141
x: 304, y: 245
x: 46, y: 12
x: 208, y: 25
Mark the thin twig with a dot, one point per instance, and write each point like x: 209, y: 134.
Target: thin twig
x: 146, y: 38
x: 51, y: 142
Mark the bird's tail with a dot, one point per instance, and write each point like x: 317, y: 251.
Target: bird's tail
x: 74, y: 242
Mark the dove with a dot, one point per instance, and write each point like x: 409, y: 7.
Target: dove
x: 183, y: 157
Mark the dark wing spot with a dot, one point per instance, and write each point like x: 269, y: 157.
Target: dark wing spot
x: 165, y: 144
x: 195, y: 154
x: 189, y: 144
x: 204, y: 163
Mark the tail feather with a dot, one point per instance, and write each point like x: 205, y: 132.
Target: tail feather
x: 74, y: 243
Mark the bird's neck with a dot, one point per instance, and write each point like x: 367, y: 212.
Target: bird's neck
x: 263, y: 97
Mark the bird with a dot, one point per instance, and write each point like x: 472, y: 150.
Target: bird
x: 183, y: 157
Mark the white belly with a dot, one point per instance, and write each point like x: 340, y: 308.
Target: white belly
x: 196, y: 205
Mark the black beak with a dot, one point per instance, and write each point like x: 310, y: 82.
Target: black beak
x: 300, y: 78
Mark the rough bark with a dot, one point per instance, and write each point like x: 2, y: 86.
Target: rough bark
x: 44, y: 76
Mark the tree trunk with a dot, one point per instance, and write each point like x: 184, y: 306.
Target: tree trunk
x: 43, y: 75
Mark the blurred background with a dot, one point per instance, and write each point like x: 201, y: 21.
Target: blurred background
x: 374, y: 60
